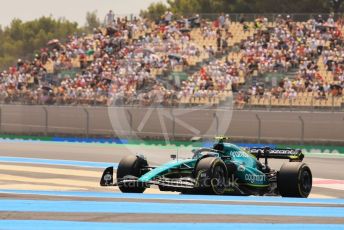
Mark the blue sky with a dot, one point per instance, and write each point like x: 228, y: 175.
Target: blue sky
x: 74, y: 10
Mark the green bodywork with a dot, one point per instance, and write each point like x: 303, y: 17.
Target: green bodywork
x: 247, y: 165
x: 166, y: 168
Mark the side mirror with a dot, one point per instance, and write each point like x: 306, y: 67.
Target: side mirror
x: 173, y: 156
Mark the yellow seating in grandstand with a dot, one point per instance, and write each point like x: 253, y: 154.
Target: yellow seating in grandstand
x: 254, y: 100
x: 216, y: 100
x: 317, y: 103
x: 274, y: 101
x: 204, y: 100
x: 338, y: 101
x: 75, y: 62
x: 185, y: 100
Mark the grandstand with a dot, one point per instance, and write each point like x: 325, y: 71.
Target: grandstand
x: 262, y: 64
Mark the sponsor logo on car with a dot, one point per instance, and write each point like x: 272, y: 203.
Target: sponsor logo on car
x: 239, y: 154
x: 255, y: 178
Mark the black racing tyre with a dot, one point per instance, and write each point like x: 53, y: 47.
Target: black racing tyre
x: 131, y: 166
x: 211, y: 176
x: 294, y: 180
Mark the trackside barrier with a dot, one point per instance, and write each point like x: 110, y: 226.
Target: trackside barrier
x: 173, y: 124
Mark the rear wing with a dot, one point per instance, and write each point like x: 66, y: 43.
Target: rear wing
x: 290, y: 154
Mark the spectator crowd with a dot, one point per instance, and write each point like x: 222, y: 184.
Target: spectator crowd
x: 126, y: 62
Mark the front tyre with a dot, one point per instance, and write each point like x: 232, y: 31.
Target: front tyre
x: 211, y: 176
x: 131, y: 166
x: 294, y: 180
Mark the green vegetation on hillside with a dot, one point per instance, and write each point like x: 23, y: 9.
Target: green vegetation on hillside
x: 183, y: 7
x: 24, y: 39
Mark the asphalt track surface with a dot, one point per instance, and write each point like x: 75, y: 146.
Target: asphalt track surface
x: 46, y: 185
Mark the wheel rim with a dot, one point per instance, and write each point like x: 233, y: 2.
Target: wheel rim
x: 218, y: 181
x: 306, y: 181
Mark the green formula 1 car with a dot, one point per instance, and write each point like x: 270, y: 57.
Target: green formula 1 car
x: 223, y: 169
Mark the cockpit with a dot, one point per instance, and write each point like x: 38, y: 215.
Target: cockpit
x: 197, y: 153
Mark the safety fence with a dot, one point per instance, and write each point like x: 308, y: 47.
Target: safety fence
x: 173, y: 123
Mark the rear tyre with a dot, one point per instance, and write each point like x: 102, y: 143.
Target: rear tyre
x: 294, y: 180
x: 131, y: 166
x: 211, y: 176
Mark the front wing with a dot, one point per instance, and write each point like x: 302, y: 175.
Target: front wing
x: 107, y: 179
